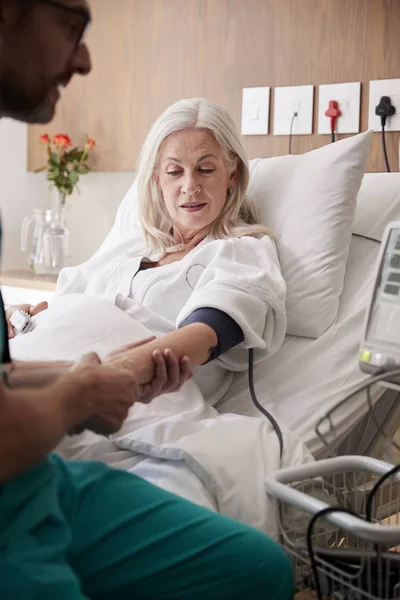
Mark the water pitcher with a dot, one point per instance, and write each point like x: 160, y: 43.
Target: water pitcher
x: 50, y: 249
x: 39, y: 220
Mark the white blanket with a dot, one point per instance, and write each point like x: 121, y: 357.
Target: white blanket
x: 230, y: 455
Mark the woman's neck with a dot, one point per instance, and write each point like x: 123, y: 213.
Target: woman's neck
x: 191, y: 239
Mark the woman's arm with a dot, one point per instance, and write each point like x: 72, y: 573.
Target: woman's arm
x: 196, y: 341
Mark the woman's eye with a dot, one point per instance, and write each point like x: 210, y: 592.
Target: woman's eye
x: 173, y: 173
x: 206, y: 171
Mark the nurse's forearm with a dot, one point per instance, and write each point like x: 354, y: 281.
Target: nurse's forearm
x: 196, y: 341
x: 33, y: 422
x: 35, y: 374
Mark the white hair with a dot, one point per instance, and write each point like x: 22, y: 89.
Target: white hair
x: 238, y: 216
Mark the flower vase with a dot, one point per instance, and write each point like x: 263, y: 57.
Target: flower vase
x: 56, y: 238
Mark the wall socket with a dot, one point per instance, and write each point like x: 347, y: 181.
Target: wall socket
x: 348, y: 96
x: 377, y: 89
x: 288, y: 101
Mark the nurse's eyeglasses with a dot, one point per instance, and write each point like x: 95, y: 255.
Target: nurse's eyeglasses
x: 79, y: 26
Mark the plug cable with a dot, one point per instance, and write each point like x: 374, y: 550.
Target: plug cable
x: 385, y: 156
x: 384, y: 110
x: 310, y: 544
x: 295, y: 114
x: 333, y: 113
x: 375, y: 489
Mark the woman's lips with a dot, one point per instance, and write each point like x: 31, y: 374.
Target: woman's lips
x: 193, y: 207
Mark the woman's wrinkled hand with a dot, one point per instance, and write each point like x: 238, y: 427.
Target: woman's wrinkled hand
x: 28, y: 308
x: 170, y: 375
x: 169, y: 372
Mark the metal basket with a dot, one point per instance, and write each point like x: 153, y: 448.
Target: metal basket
x: 376, y: 434
x: 354, y: 559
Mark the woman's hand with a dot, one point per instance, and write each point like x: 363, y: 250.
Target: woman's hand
x: 169, y: 373
x: 28, y: 308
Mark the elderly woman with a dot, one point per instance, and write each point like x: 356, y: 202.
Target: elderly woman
x: 207, y: 281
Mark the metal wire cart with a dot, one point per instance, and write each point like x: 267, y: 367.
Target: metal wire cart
x: 340, y: 517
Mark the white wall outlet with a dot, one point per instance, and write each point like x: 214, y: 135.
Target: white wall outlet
x: 255, y: 110
x: 348, y: 96
x: 289, y: 100
x: 377, y: 89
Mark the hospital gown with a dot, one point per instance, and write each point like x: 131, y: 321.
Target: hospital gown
x: 239, y: 276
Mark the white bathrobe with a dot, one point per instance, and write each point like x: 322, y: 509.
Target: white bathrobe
x: 239, y: 276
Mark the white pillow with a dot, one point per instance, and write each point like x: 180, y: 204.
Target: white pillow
x: 309, y: 202
x: 378, y: 203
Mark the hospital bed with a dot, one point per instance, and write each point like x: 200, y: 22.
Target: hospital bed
x: 307, y: 376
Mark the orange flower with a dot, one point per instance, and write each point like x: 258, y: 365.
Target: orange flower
x: 62, y: 140
x: 90, y: 143
x: 45, y: 139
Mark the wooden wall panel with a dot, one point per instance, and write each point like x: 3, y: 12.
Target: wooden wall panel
x: 150, y: 53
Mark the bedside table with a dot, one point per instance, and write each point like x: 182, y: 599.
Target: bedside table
x: 21, y: 287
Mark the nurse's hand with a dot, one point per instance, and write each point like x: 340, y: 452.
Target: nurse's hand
x: 98, y: 396
x: 28, y: 308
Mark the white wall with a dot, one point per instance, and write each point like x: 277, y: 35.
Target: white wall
x: 91, y: 214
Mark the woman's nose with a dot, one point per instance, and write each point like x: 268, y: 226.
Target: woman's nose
x: 190, y: 186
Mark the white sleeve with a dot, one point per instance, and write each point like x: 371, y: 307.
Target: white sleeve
x: 244, y: 280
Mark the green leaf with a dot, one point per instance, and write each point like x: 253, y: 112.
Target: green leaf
x: 73, y: 177
x: 73, y: 155
x: 40, y: 170
x: 54, y: 158
x: 82, y: 170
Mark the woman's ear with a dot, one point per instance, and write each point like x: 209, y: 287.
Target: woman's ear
x: 234, y: 176
x: 156, y: 178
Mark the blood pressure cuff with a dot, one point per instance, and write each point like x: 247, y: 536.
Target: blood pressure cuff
x: 228, y: 332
